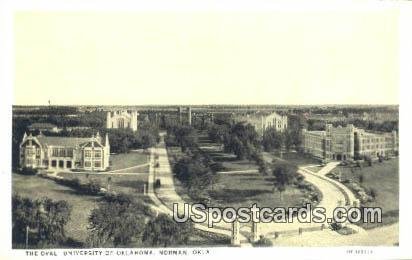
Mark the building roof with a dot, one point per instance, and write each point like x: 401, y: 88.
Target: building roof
x: 62, y: 141
x: 316, y: 132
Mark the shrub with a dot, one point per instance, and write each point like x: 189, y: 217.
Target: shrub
x: 263, y: 242
x: 91, y: 188
x: 217, y: 166
x: 335, y: 226
x: 28, y: 171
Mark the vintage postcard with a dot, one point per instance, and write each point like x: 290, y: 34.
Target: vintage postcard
x: 209, y: 129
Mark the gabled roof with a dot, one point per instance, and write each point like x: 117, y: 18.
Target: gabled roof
x: 62, y: 141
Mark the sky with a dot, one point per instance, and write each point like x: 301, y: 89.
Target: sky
x: 206, y: 57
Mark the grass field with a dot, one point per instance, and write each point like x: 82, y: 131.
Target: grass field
x: 126, y: 160
x: 296, y: 158
x: 35, y: 187
x: 245, y: 189
x: 240, y: 189
x: 384, y: 179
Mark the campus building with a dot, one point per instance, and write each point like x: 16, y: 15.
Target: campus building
x: 122, y: 119
x: 65, y: 153
x: 343, y: 143
x: 185, y: 115
x: 262, y: 121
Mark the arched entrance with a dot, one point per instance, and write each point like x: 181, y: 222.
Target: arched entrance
x: 339, y: 157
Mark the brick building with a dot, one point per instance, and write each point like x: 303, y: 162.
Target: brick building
x: 343, y: 143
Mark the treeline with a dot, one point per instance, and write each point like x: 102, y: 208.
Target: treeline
x: 237, y: 138
x: 196, y: 170
x: 46, y: 110
x: 386, y: 126
x: 121, y: 140
x: 119, y: 220
x: 40, y: 222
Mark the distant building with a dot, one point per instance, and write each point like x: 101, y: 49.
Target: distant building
x: 122, y: 119
x: 185, y: 115
x: 343, y: 143
x: 43, y: 127
x: 60, y: 153
x: 263, y: 121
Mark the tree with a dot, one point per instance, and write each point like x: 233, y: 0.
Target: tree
x: 45, y: 217
x: 164, y: 231
x: 119, y: 219
x: 195, y: 174
x: 272, y: 139
x: 285, y: 174
x: 185, y: 136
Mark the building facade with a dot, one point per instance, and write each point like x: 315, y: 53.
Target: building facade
x: 65, y: 153
x: 122, y: 119
x: 185, y: 115
x: 343, y: 143
x: 261, y: 122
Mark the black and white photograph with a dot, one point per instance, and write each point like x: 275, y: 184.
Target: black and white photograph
x: 209, y: 129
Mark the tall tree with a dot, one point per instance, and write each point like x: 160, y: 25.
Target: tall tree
x: 118, y: 220
x: 285, y: 174
x: 164, y: 231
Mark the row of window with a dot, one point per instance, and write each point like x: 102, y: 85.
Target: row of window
x: 375, y: 140
x: 62, y: 152
x: 32, y: 151
x: 97, y: 164
x: 96, y: 154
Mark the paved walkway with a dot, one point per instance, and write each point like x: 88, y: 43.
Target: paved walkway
x: 165, y: 196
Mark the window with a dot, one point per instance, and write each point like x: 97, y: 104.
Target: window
x: 87, y: 164
x: 55, y: 152
x: 69, y: 152
x: 46, y: 162
x: 61, y: 164
x: 62, y: 152
x: 97, y: 154
x: 97, y: 164
x: 29, y: 152
x: 87, y: 154
x: 69, y: 164
x: 54, y: 163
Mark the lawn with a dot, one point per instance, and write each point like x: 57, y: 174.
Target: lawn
x: 240, y: 189
x: 384, y: 179
x: 315, y: 168
x: 36, y: 187
x: 295, y: 158
x: 120, y: 183
x: 244, y: 189
x: 126, y: 160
